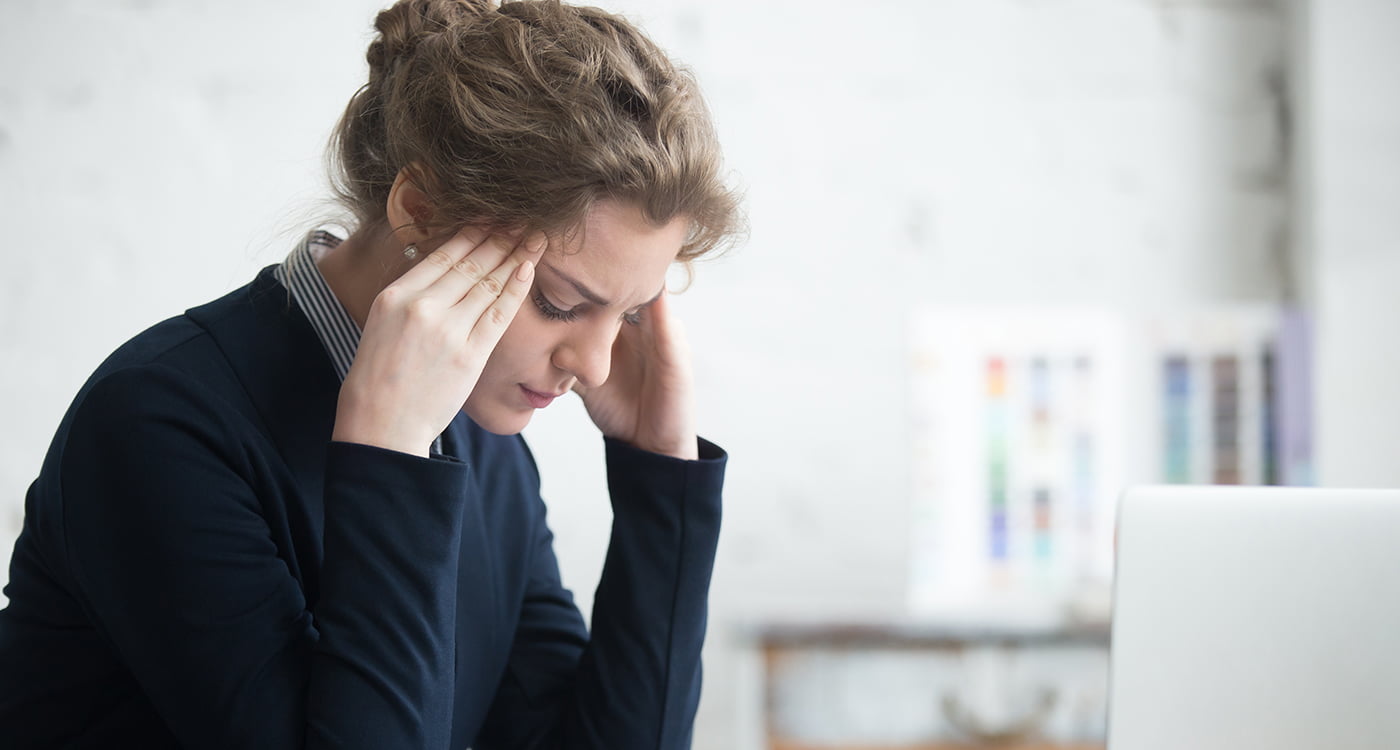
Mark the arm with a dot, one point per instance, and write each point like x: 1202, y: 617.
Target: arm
x: 636, y: 683
x: 173, y: 559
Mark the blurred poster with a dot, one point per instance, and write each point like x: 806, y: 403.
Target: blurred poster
x: 1028, y: 423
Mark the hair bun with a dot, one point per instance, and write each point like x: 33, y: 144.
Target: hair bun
x: 524, y: 115
x: 405, y: 25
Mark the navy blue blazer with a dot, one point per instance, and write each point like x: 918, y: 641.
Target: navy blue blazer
x: 201, y: 566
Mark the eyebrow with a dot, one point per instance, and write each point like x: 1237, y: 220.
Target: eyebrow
x: 591, y: 295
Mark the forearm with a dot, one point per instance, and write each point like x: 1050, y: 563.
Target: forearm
x: 650, y: 610
x: 634, y: 683
x: 383, y: 666
x: 240, y: 633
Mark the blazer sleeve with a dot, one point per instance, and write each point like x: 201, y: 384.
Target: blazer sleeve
x: 635, y: 683
x: 172, y: 557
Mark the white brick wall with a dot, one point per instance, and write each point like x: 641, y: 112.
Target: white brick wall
x: 150, y: 153
x: 154, y: 154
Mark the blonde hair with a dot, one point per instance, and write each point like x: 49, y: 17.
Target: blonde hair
x: 525, y: 115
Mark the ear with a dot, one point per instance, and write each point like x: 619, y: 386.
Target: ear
x: 408, y: 210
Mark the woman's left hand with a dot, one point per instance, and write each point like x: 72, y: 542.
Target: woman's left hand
x: 648, y: 398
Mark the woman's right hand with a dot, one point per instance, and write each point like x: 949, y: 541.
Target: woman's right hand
x: 427, y: 339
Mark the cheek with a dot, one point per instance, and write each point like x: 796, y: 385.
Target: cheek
x: 522, y: 347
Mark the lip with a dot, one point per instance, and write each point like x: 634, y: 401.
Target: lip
x: 536, y: 399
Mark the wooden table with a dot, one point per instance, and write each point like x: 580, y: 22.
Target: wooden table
x: 784, y: 645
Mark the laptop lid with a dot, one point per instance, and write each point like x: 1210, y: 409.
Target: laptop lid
x: 1256, y: 617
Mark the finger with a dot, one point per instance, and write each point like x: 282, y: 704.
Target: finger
x: 497, y: 316
x: 636, y: 341
x: 667, y: 339
x: 483, y: 273
x: 480, y: 296
x: 432, y: 267
x: 651, y: 324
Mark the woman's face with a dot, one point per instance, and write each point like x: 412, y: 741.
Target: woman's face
x: 582, y: 296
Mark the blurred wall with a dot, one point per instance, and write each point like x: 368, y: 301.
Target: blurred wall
x: 1352, y: 134
x: 1126, y: 153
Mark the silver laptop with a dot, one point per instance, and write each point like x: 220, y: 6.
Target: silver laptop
x: 1249, y: 618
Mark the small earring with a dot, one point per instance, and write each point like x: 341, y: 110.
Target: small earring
x: 410, y: 252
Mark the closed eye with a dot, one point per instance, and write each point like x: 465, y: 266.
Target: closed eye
x: 551, y: 311
x: 554, y: 312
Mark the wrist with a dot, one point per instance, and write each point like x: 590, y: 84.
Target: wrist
x: 362, y: 426
x: 686, y: 449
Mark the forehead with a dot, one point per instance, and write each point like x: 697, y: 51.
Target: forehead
x: 618, y: 253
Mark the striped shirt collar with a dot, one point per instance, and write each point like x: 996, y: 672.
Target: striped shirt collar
x: 332, y: 322
x: 338, y: 332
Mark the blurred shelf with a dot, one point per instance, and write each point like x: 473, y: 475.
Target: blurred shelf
x: 785, y: 745
x: 828, y: 680
x: 920, y: 635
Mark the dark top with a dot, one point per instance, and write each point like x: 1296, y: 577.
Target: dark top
x: 201, y: 566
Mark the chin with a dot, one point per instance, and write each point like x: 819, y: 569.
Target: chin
x: 498, y: 421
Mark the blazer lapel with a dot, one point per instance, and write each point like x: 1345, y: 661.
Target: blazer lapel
x: 294, y: 388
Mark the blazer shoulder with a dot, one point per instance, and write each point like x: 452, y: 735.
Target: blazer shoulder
x: 176, y: 346
x: 176, y: 362
x: 188, y: 342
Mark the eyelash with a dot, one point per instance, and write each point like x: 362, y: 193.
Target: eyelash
x: 568, y: 316
x: 552, y: 312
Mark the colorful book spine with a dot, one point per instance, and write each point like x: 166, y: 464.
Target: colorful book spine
x: 1176, y: 409
x: 1293, y: 399
x: 1225, y: 420
x: 1042, y: 459
x: 1082, y: 464
x: 1268, y: 422
x: 998, y: 474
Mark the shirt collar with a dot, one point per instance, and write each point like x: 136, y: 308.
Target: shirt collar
x: 332, y: 322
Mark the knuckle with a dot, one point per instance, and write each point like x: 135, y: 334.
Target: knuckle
x: 420, y: 308
x: 468, y: 267
x: 439, y: 259
x: 492, y: 285
x: 497, y: 316
x: 389, y: 296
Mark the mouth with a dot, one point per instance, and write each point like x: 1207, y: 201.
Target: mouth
x: 537, y: 399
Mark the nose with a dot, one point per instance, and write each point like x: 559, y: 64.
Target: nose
x: 587, y: 355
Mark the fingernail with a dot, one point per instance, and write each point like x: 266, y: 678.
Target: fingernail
x: 526, y: 270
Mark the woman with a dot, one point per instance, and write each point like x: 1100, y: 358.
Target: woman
x: 301, y: 515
